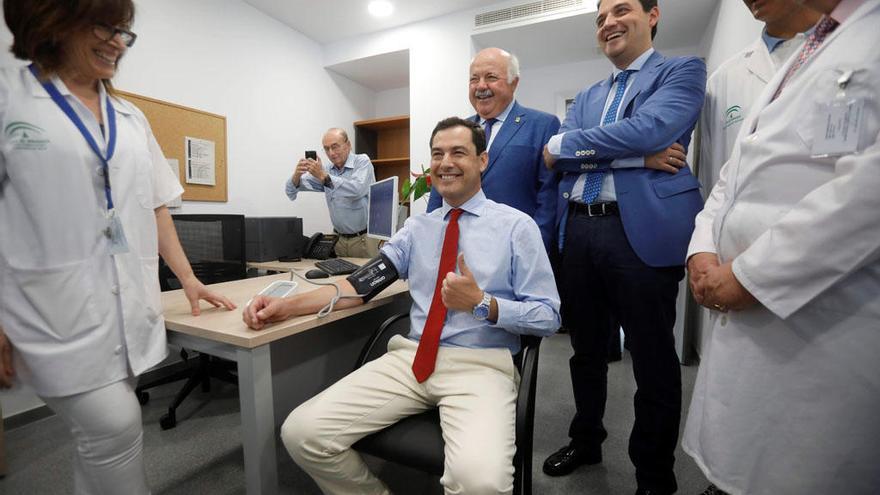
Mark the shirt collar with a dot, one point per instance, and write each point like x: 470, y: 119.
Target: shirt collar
x: 501, y: 117
x: 349, y: 162
x: 845, y: 9
x: 636, y: 64
x: 474, y: 206
x: 772, y: 42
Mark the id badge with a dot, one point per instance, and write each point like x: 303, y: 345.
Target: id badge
x: 838, y: 123
x: 838, y: 127
x: 116, y: 234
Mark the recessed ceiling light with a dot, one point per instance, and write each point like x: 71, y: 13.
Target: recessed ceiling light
x: 380, y: 8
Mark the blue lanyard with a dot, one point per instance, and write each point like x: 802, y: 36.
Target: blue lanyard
x: 68, y: 110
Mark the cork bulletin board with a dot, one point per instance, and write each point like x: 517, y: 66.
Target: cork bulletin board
x: 171, y: 125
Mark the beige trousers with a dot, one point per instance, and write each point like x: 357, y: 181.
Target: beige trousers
x: 474, y: 389
x: 357, y: 247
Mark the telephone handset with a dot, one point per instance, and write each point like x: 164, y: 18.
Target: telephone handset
x: 320, y: 246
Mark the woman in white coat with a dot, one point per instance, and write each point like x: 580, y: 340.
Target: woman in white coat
x: 83, y: 185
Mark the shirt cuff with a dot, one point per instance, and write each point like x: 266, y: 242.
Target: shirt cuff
x: 554, y: 146
x: 507, y: 317
x: 634, y: 162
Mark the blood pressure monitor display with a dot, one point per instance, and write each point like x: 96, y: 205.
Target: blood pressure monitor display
x: 279, y: 288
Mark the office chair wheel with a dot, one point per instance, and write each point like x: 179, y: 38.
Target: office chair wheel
x: 168, y: 421
x: 143, y: 397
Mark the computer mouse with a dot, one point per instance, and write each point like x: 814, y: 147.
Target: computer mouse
x: 316, y: 274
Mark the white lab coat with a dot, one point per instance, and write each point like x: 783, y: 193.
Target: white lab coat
x: 77, y: 317
x: 788, y: 398
x: 731, y: 92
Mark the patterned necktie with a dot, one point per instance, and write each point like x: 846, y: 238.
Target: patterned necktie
x: 593, y: 182
x: 487, y: 127
x: 823, y: 29
x: 426, y: 355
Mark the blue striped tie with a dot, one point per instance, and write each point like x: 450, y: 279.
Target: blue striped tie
x: 593, y: 182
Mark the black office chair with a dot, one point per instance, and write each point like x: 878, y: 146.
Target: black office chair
x: 417, y: 441
x: 215, y: 247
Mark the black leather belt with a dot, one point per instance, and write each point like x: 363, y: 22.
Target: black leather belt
x: 349, y: 236
x: 594, y: 209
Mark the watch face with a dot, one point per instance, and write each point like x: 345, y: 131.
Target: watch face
x: 481, y: 312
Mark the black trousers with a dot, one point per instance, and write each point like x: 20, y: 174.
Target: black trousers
x: 605, y: 283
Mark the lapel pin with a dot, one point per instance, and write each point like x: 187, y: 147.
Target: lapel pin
x: 517, y: 120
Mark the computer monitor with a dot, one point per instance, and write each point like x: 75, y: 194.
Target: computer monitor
x: 382, y: 209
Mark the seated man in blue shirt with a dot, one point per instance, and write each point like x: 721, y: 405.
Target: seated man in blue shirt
x: 345, y: 183
x: 465, y: 327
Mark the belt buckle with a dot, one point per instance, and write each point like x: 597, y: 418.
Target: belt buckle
x: 598, y: 214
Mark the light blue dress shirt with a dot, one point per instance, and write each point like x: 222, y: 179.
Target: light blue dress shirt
x: 503, y: 249
x: 607, y: 193
x: 347, y: 199
x: 772, y: 42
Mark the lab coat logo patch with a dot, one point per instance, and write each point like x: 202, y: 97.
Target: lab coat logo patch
x: 732, y: 115
x: 26, y: 136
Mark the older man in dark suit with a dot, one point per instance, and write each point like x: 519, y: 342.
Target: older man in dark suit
x: 516, y: 175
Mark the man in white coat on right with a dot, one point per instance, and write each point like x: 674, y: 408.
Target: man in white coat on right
x: 788, y: 399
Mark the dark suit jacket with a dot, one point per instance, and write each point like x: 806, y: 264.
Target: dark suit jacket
x: 516, y: 175
x: 661, y: 107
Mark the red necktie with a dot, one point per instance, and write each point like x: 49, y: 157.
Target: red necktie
x: 823, y: 29
x: 426, y: 355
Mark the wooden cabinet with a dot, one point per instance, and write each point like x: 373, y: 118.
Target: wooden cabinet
x: 386, y: 142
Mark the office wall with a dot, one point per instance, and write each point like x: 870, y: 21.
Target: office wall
x: 225, y: 57
x: 731, y: 29
x: 440, y: 50
x: 392, y: 102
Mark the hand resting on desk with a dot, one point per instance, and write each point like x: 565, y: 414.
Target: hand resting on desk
x: 264, y: 310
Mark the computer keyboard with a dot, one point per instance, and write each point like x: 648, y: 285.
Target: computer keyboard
x: 336, y: 266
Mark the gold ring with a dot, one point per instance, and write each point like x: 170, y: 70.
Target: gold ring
x: 719, y: 307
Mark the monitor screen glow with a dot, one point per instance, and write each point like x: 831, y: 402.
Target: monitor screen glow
x: 382, y: 209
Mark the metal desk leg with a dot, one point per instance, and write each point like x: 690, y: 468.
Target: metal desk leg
x: 257, y: 420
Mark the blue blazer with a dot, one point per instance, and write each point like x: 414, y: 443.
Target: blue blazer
x: 516, y: 175
x: 661, y: 107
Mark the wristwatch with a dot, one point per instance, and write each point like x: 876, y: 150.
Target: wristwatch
x: 481, y: 310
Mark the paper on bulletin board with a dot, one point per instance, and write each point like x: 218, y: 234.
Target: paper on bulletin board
x: 200, y: 163
x: 175, y: 168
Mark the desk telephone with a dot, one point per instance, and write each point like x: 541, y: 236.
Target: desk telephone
x: 320, y: 246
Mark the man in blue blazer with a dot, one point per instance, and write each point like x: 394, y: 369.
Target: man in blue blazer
x: 516, y: 175
x: 626, y: 208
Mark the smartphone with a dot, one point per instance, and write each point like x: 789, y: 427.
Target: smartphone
x: 311, y: 154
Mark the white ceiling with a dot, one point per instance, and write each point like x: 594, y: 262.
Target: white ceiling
x: 572, y: 38
x: 380, y: 72
x: 561, y: 38
x: 332, y: 20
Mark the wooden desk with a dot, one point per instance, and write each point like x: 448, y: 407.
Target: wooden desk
x: 223, y: 333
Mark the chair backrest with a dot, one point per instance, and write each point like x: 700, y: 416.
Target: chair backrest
x: 214, y: 246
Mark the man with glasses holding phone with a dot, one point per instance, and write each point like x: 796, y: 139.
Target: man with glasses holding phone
x: 345, y: 183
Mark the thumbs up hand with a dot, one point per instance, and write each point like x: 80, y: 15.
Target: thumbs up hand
x: 461, y: 292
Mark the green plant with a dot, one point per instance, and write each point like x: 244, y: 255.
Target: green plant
x: 418, y: 187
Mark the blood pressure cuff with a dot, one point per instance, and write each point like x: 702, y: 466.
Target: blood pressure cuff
x: 372, y: 278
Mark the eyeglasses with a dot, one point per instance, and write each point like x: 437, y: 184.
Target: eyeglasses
x: 334, y: 147
x: 107, y: 33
